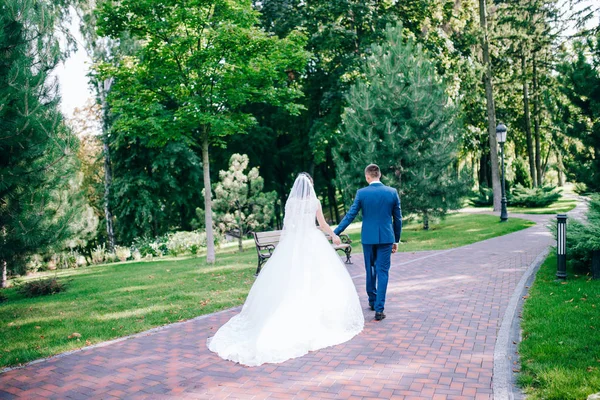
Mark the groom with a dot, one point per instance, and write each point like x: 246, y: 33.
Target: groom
x: 380, y: 234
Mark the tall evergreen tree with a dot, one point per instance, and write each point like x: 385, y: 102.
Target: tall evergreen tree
x: 399, y: 117
x: 37, y: 152
x: 580, y: 78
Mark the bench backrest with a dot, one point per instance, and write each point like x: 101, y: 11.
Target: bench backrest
x: 266, y: 238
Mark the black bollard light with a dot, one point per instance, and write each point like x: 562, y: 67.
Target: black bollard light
x: 561, y: 246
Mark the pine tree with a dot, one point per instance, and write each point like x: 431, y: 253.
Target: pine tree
x: 399, y: 117
x: 240, y: 201
x: 37, y: 153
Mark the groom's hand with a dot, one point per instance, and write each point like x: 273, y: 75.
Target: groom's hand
x: 336, y: 239
x: 394, y: 248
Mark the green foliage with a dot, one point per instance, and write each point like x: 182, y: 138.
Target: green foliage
x: 522, y: 177
x: 580, y: 78
x: 240, y: 203
x: 40, y: 199
x: 41, y: 287
x: 399, y: 117
x: 180, y: 243
x: 154, y: 190
x: 484, y: 197
x: 3, y: 296
x: 583, y: 237
x: 581, y: 189
x: 533, y: 197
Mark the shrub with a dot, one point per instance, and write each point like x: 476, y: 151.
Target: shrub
x: 41, y: 287
x: 35, y: 264
x: 583, y: 237
x: 110, y: 257
x: 581, y: 189
x: 146, y: 246
x: 521, y: 173
x: 535, y: 197
x: 123, y: 253
x: 99, y: 254
x: 186, y: 242
x: 484, y: 198
x: 64, y: 260
x: 3, y: 297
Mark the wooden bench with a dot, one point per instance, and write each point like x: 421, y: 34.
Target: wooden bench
x: 267, y: 241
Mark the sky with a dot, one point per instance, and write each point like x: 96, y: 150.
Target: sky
x: 72, y: 75
x: 74, y: 87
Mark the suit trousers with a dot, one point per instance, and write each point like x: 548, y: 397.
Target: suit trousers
x: 377, y: 265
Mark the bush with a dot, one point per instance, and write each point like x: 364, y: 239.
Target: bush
x: 123, y: 253
x: 581, y: 189
x: 484, y: 198
x: 521, y: 173
x: 583, y: 238
x: 99, y: 254
x: 41, y: 287
x: 35, y: 264
x: 533, y: 198
x: 146, y: 246
x: 186, y: 242
x: 3, y: 297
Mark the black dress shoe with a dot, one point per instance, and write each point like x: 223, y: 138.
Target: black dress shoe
x: 372, y: 307
x: 379, y: 316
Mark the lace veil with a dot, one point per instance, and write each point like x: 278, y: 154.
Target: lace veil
x: 301, y: 206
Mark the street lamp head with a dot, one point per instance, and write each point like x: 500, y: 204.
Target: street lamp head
x: 501, y: 133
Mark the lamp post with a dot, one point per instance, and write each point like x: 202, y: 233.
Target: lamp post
x: 501, y: 137
x: 561, y: 246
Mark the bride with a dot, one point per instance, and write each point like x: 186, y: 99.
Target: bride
x: 303, y: 299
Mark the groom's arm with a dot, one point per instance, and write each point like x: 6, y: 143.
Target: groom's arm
x: 397, y: 216
x: 350, y: 215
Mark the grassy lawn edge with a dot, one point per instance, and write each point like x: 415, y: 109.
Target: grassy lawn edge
x: 560, y: 347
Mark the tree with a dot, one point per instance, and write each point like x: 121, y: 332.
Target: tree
x: 491, y: 110
x: 240, y: 201
x: 399, y: 117
x: 580, y: 79
x: 204, y: 61
x: 38, y: 194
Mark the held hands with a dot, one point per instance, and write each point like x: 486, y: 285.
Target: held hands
x: 336, y: 239
x: 394, y: 248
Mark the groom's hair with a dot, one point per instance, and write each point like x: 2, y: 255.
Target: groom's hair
x: 373, y: 171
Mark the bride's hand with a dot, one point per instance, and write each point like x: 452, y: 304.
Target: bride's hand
x: 336, y: 239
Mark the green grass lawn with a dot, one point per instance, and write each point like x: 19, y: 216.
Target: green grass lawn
x: 560, y: 351
x: 114, y: 300
x: 560, y: 206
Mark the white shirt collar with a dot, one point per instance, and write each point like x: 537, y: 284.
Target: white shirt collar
x: 372, y: 182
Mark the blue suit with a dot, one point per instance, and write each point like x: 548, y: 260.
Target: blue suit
x: 381, y: 228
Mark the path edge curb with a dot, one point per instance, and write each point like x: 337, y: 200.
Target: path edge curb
x: 502, y: 382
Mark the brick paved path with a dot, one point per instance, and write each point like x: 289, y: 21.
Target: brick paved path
x: 444, y: 309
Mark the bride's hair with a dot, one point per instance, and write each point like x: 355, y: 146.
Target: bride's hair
x: 308, y: 176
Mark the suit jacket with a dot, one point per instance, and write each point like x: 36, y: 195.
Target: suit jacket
x: 382, y: 217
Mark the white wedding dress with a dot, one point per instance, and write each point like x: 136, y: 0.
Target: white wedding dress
x: 303, y: 299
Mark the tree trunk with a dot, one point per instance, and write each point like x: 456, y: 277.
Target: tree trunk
x: 110, y: 233
x: 560, y: 168
x: 210, y: 239
x: 425, y: 221
x: 536, y: 121
x: 4, y: 274
x: 241, y: 230
x: 491, y: 111
x: 484, y: 176
x: 527, y: 116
